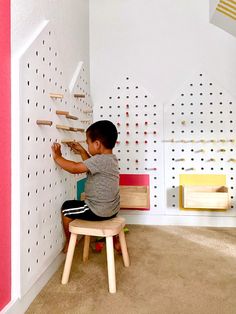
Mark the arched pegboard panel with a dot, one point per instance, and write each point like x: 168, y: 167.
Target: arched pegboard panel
x: 140, y: 125
x: 200, y: 138
x: 44, y: 186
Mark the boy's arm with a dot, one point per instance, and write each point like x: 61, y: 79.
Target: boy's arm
x: 71, y: 166
x: 68, y: 165
x: 79, y: 149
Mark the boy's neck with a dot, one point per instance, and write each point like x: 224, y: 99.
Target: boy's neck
x: 105, y: 151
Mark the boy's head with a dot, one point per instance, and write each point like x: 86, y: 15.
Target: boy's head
x: 103, y: 131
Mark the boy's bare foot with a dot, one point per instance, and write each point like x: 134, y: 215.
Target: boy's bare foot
x: 65, y: 249
x: 116, y: 243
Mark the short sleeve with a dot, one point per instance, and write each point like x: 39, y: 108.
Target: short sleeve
x: 92, y: 164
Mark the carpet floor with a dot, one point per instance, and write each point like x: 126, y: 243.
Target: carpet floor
x: 174, y: 270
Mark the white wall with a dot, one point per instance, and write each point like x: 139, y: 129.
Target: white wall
x: 163, y: 47
x: 159, y: 42
x: 71, y: 20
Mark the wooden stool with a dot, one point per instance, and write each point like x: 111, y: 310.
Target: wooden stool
x: 105, y: 228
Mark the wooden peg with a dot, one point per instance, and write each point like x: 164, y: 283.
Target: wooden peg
x: 190, y: 169
x: 232, y: 160
x: 232, y: 140
x: 71, y: 117
x: 183, y: 122
x: 211, y: 159
x: 53, y: 95
x: 180, y: 159
x: 222, y: 150
x: 200, y: 151
x: 62, y: 127
x: 88, y: 111
x: 44, y: 122
x: 222, y: 140
x: 62, y: 113
x: 76, y: 129
x: 67, y: 141
x: 79, y: 95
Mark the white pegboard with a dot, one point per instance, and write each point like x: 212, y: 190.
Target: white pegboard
x: 44, y: 186
x: 140, y: 126
x: 199, y: 138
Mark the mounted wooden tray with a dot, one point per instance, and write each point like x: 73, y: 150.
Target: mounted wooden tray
x: 212, y: 197
x: 134, y: 197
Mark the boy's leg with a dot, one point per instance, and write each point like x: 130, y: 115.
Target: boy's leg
x: 70, y: 210
x: 65, y: 223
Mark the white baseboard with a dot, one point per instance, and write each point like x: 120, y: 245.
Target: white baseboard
x: 177, y: 220
x: 19, y: 306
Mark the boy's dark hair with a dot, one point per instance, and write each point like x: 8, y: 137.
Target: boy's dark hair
x: 104, y: 131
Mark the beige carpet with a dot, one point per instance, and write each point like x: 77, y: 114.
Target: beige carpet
x: 174, y: 270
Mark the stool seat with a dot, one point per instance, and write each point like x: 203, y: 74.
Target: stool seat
x: 102, y: 228
x: 105, y: 228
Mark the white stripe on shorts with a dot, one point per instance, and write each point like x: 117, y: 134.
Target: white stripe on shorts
x: 75, y: 208
x: 78, y: 212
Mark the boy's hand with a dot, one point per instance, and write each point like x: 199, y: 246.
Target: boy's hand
x: 56, y: 150
x: 76, y: 147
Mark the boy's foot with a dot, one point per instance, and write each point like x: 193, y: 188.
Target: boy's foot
x: 65, y: 249
x: 116, y: 243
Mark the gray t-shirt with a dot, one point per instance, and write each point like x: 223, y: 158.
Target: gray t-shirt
x: 102, y: 185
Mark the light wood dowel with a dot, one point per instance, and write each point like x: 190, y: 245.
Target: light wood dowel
x: 63, y: 127
x: 79, y: 95
x: 44, y: 122
x: 88, y: 111
x: 71, y: 117
x: 62, y: 113
x: 67, y: 141
x: 53, y: 95
x: 76, y: 129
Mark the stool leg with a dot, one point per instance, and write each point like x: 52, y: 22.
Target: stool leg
x: 69, y: 257
x: 111, y: 265
x: 124, y: 250
x: 86, y: 248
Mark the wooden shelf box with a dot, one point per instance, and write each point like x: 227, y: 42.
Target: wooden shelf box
x: 212, y: 197
x: 136, y: 197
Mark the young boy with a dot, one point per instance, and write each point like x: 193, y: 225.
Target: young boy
x: 102, y: 198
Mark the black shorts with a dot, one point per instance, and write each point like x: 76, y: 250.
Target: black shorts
x: 79, y: 210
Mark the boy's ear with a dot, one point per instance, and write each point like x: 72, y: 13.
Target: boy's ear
x: 98, y: 144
